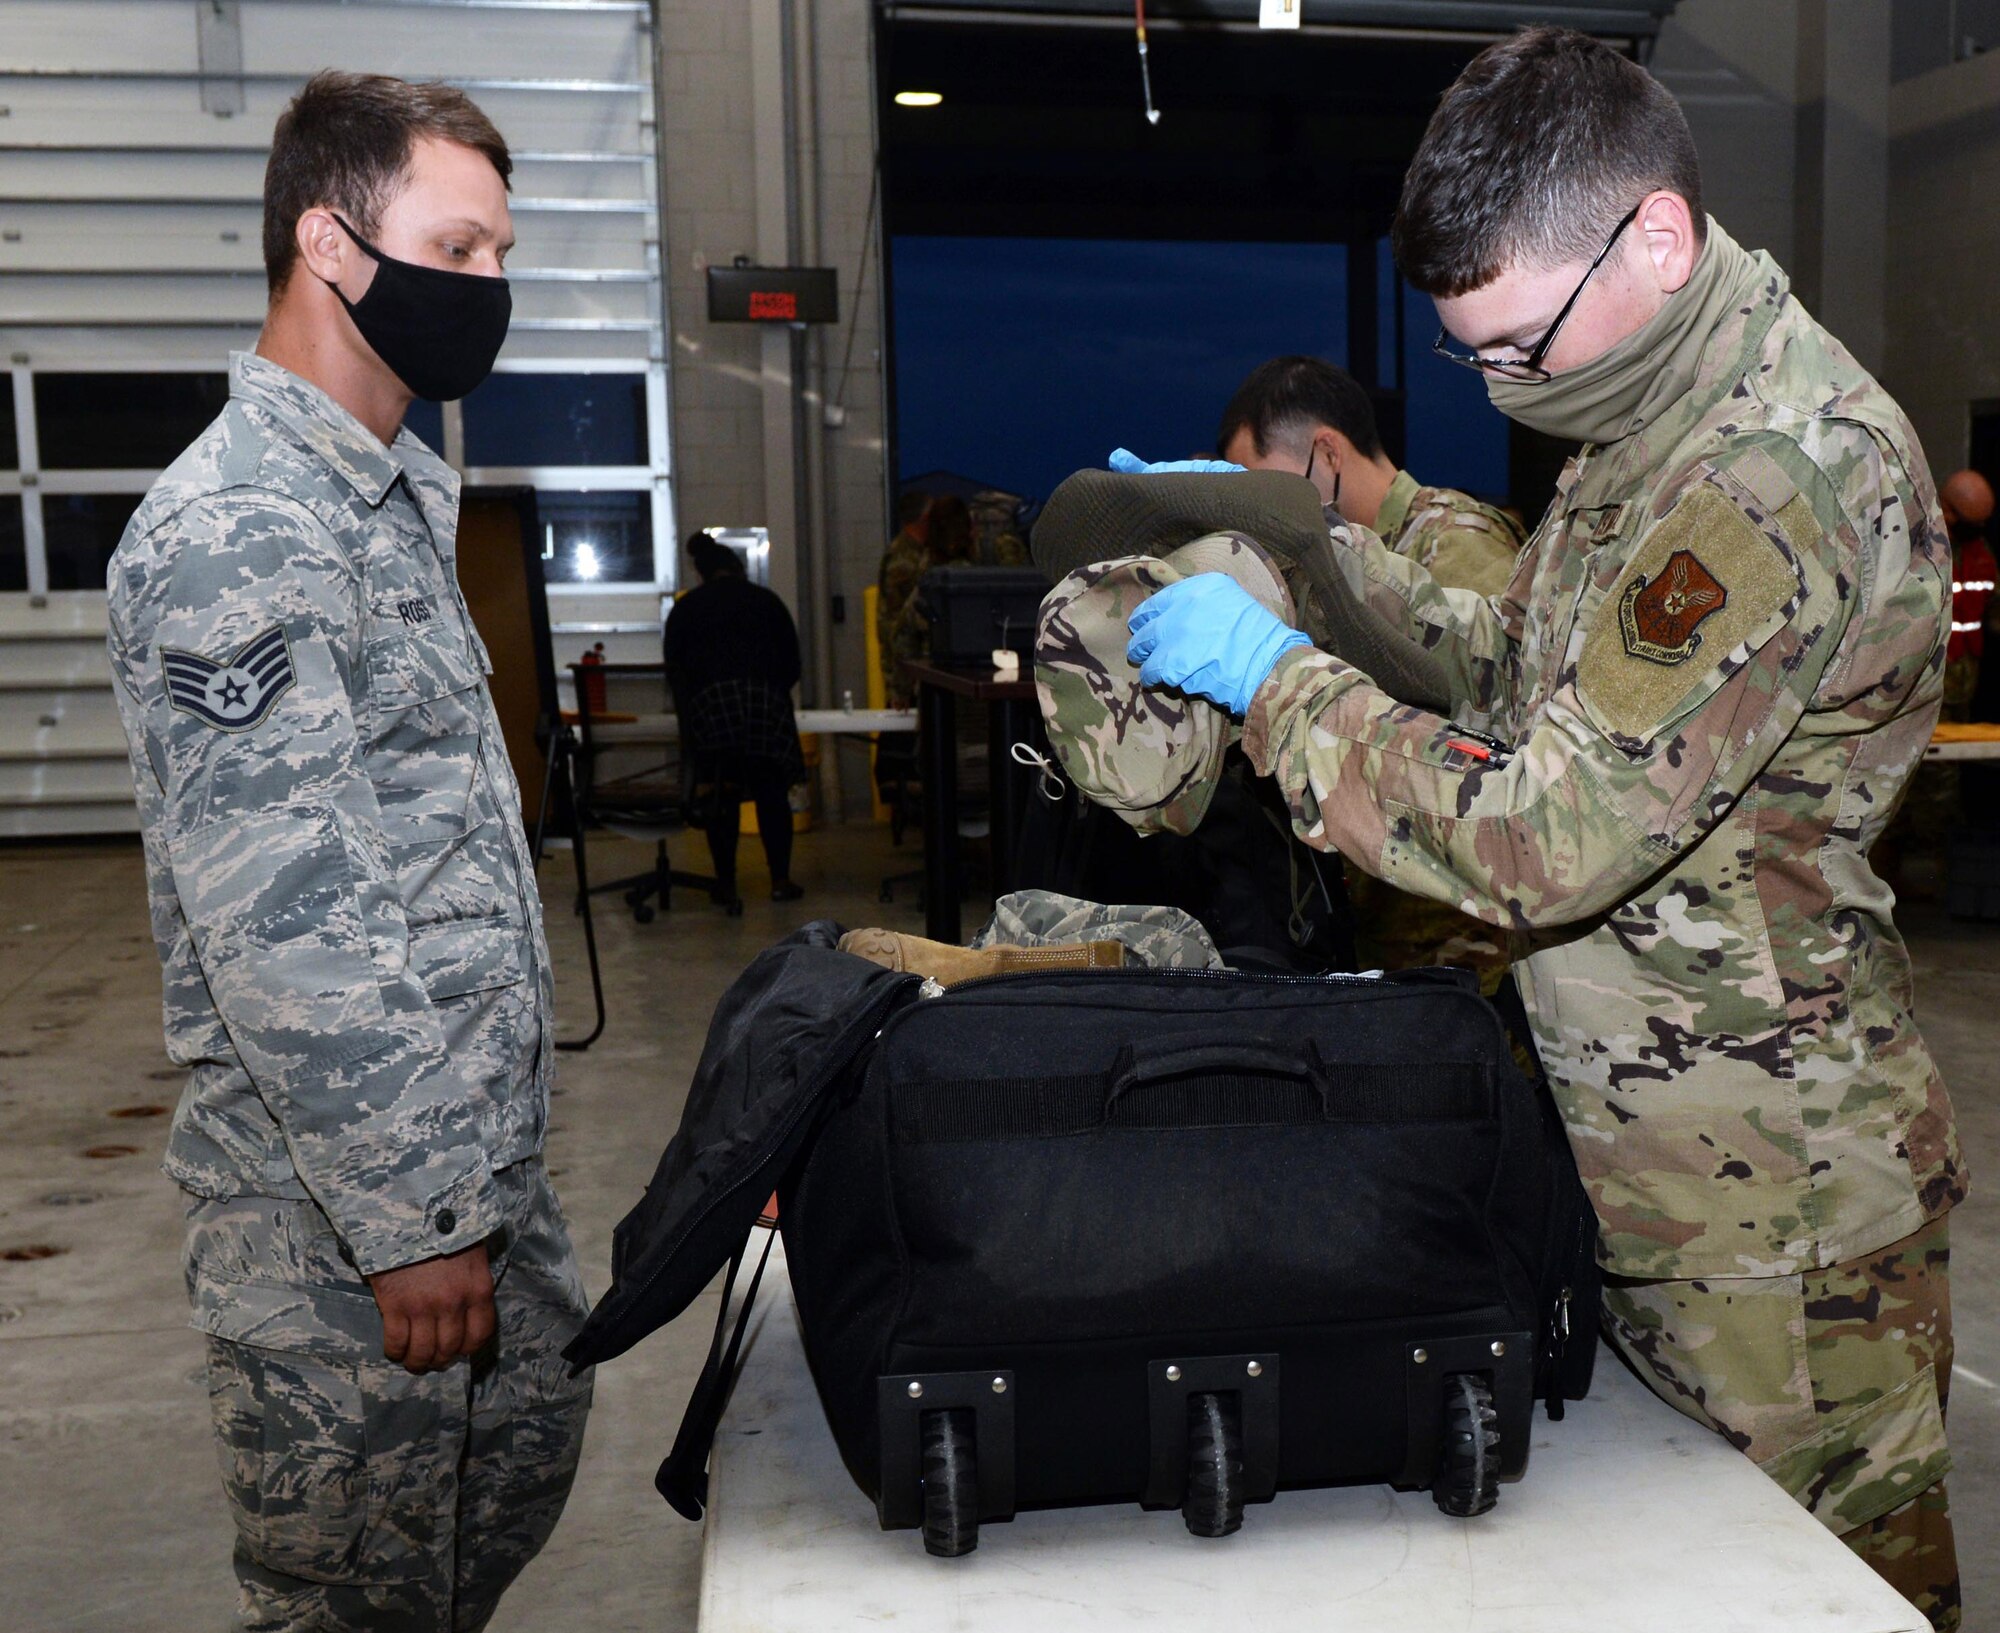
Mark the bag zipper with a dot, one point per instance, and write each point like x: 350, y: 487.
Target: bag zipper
x: 932, y: 988
x: 1558, y: 1343
x: 1560, y: 1329
x: 1126, y: 971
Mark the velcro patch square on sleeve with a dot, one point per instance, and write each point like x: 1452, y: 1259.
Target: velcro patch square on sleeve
x: 1707, y: 586
x: 236, y: 692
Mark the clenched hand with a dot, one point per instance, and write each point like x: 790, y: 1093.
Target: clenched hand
x: 436, y: 1310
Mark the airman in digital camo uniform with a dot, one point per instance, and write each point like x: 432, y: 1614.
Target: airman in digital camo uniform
x: 347, y: 913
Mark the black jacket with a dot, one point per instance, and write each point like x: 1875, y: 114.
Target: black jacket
x: 731, y: 629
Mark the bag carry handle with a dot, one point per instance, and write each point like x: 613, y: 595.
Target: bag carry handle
x: 1152, y: 1060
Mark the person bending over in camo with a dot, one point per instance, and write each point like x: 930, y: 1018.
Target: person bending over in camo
x: 1706, y: 685
x: 346, y: 908
x: 1305, y: 415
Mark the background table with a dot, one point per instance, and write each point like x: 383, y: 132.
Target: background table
x: 1962, y: 751
x: 1631, y: 1519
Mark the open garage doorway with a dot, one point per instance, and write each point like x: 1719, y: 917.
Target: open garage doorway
x: 1064, y: 276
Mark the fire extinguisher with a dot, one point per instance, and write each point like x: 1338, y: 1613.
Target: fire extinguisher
x: 590, y: 680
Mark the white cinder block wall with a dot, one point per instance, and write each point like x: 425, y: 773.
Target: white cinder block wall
x: 726, y: 191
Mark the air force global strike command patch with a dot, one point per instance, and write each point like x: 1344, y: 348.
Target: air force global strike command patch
x: 233, y: 693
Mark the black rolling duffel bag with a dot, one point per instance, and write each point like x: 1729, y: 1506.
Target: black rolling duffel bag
x: 1186, y: 1238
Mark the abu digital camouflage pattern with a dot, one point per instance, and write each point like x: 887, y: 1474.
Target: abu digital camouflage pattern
x: 355, y: 973
x: 1161, y: 938
x: 340, y: 886
x: 1717, y: 990
x: 1153, y: 757
x: 1833, y: 1381
x: 315, y: 1429
x: 1460, y: 542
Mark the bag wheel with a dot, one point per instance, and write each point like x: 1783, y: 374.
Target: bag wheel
x: 951, y: 1483
x: 1214, y: 1506
x: 1468, y: 1473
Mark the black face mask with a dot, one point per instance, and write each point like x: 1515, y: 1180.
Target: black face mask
x: 438, y: 332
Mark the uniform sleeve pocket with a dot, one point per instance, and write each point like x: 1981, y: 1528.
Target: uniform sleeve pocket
x: 272, y: 908
x: 1705, y: 590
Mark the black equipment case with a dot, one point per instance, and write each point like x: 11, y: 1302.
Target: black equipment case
x: 1175, y: 1237
x: 974, y: 611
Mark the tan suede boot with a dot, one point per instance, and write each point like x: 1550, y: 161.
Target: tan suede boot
x: 948, y: 965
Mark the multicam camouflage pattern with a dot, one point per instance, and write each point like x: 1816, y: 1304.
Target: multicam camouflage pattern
x: 899, y: 629
x: 1912, y: 1548
x: 1464, y: 545
x: 996, y: 530
x: 1834, y: 1382
x: 1451, y: 535
x: 314, y: 1428
x: 1162, y: 938
x: 341, y: 890
x: 1718, y: 992
x: 1151, y: 756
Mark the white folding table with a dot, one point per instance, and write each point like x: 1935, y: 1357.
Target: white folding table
x: 1631, y: 1519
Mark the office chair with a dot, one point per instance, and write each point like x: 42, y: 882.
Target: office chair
x: 649, y: 803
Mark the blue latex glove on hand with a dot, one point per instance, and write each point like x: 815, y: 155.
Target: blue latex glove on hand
x: 1130, y: 464
x: 1209, y: 636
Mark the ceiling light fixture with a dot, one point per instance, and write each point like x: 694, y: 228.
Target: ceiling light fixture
x: 919, y: 99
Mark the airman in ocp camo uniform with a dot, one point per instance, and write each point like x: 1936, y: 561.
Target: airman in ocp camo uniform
x: 1713, y: 673
x: 1303, y: 414
x: 347, y: 915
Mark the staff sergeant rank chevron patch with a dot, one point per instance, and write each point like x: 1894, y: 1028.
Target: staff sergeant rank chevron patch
x: 233, y: 693
x: 1658, y: 618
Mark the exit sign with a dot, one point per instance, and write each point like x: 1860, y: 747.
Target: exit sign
x: 771, y: 294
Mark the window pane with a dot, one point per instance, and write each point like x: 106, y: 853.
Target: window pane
x: 99, y: 422
x: 10, y: 445
x: 13, y: 546
x: 82, y: 529
x: 597, y: 538
x: 557, y: 419
x: 425, y: 422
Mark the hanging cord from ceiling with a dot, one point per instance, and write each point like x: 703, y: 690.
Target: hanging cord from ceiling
x: 1145, y: 70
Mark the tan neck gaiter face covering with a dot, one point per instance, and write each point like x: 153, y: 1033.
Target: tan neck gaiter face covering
x: 1629, y: 386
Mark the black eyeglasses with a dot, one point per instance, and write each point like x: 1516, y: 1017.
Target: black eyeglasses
x: 1530, y: 367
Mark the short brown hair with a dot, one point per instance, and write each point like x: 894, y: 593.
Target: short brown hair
x: 1534, y: 153
x: 345, y: 142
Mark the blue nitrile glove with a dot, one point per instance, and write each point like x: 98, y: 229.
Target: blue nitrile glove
x: 1210, y: 636
x: 1128, y: 463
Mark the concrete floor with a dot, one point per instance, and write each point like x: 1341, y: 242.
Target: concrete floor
x: 111, y: 1516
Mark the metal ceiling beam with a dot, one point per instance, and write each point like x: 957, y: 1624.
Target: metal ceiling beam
x: 1483, y: 18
